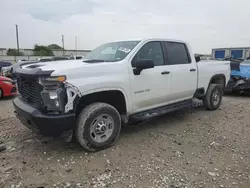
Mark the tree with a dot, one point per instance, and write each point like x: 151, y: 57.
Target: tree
x: 40, y: 50
x: 54, y: 47
x: 13, y: 52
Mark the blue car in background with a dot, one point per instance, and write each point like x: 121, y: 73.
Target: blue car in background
x: 240, y: 76
x: 4, y: 64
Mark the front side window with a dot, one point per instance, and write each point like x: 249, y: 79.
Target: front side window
x: 177, y: 53
x: 111, y: 52
x: 151, y: 51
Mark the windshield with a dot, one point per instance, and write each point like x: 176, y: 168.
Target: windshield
x: 245, y: 62
x: 115, y: 51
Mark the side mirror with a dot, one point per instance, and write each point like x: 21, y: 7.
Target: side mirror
x: 142, y: 64
x: 197, y: 59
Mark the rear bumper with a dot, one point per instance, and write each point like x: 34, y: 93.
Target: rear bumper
x: 37, y: 121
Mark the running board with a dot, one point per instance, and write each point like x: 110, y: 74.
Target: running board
x: 145, y: 115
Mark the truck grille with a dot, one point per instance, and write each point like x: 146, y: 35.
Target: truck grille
x: 30, y: 90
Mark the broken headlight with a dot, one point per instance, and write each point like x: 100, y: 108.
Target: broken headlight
x: 54, y: 93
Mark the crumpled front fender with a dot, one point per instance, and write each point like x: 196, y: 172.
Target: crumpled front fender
x: 239, y: 82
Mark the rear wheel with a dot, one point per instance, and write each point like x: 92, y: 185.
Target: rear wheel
x: 98, y: 126
x: 213, y: 97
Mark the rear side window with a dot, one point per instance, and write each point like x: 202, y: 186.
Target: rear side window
x: 177, y: 53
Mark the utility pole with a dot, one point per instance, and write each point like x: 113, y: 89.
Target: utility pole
x: 17, y: 40
x: 76, y: 44
x: 63, y: 43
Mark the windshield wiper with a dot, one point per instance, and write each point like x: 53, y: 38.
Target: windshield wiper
x: 93, y: 60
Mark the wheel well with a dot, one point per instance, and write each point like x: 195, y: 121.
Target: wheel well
x: 199, y: 93
x: 219, y: 79
x: 115, y: 98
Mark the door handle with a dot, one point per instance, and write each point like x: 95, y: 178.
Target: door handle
x: 165, y: 72
x: 192, y: 70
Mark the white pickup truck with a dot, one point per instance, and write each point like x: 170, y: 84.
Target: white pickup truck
x: 114, y: 84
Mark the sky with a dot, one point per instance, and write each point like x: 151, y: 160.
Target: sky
x: 205, y: 24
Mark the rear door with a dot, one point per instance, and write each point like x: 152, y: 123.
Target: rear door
x: 183, y: 71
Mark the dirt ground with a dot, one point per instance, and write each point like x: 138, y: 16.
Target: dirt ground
x: 186, y: 149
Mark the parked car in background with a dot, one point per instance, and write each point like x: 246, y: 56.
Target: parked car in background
x: 6, y: 71
x: 240, y: 76
x: 4, y: 64
x: 4, y: 67
x: 22, y: 60
x: 54, y: 58
x: 116, y: 83
x: 59, y: 58
x: 78, y: 57
x: 44, y: 59
x: 7, y: 87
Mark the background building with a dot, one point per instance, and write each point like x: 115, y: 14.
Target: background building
x: 221, y: 53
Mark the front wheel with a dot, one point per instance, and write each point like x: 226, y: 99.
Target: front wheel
x: 98, y: 126
x: 213, y: 98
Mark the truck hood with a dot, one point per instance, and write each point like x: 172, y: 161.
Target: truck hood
x: 59, y: 66
x: 83, y: 75
x: 244, y: 71
x: 73, y: 69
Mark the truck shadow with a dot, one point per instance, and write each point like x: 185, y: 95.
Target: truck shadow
x: 59, y: 145
x: 238, y: 94
x: 166, y: 120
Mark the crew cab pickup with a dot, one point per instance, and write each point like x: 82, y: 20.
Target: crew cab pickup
x: 116, y: 83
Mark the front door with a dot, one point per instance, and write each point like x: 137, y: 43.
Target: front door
x: 151, y: 87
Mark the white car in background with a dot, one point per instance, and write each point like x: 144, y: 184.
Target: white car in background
x: 22, y: 60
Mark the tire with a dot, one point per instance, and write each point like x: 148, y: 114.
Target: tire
x: 1, y: 93
x: 93, y: 121
x: 213, y: 97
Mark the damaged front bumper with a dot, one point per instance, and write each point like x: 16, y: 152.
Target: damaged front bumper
x: 238, y: 84
x: 44, y: 104
x: 49, y: 123
x: 45, y: 124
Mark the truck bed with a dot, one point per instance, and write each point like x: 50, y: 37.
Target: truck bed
x: 206, y: 69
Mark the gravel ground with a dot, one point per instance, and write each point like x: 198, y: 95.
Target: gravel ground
x: 190, y: 148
